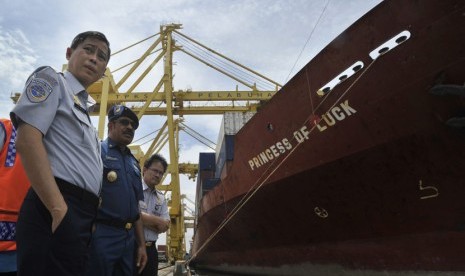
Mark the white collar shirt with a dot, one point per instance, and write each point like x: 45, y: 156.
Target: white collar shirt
x: 154, y: 204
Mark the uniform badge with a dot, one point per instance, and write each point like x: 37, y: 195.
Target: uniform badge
x: 118, y: 110
x: 112, y: 176
x: 38, y: 90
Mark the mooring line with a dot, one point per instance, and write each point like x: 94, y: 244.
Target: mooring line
x: 260, y: 182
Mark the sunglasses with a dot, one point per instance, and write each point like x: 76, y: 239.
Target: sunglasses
x: 126, y: 122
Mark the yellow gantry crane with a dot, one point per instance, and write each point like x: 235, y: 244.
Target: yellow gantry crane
x: 162, y: 99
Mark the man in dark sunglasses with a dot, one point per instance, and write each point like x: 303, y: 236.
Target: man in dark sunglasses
x: 119, y: 226
x: 120, y: 117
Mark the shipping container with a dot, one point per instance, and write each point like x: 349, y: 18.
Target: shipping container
x: 224, y: 154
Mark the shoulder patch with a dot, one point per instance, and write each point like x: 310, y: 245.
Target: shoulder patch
x: 38, y: 91
x: 40, y: 85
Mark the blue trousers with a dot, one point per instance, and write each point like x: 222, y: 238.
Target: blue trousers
x: 112, y: 251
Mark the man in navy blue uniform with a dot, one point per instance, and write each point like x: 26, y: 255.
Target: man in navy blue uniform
x: 119, y: 226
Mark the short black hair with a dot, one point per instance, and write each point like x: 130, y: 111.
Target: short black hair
x: 82, y: 36
x: 156, y: 157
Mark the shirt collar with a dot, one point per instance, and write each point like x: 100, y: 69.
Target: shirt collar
x: 74, y: 84
x: 147, y: 188
x: 112, y: 144
x: 144, y: 186
x: 77, y: 88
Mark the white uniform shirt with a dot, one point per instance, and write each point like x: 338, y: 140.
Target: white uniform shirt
x: 56, y: 105
x: 154, y: 204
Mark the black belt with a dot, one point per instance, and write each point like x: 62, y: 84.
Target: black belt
x: 82, y: 194
x: 117, y: 223
x: 150, y: 243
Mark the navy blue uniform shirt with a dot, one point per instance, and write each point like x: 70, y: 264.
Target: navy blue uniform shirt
x: 120, y: 196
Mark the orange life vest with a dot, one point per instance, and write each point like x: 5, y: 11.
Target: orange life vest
x: 13, y: 186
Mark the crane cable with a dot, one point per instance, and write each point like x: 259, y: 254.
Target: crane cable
x: 199, y: 137
x: 213, y: 59
x: 308, y: 39
x: 134, y: 44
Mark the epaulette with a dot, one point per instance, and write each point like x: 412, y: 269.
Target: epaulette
x: 39, y: 69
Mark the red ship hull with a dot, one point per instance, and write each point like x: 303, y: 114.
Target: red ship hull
x: 368, y: 177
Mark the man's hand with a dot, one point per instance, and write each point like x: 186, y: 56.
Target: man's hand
x: 163, y: 226
x: 155, y: 223
x: 141, y: 260
x: 35, y: 161
x: 57, y: 216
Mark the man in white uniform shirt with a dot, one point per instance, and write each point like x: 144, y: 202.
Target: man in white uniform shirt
x: 60, y: 152
x: 154, y: 209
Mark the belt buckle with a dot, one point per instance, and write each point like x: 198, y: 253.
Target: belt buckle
x: 128, y: 226
x: 148, y: 244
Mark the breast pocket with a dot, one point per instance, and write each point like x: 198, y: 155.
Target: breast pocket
x: 88, y: 134
x: 112, y: 172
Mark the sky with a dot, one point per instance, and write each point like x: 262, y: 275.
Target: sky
x: 274, y: 38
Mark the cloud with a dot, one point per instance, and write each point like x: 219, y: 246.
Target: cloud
x: 17, y: 60
x: 16, y: 57
x: 274, y: 38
